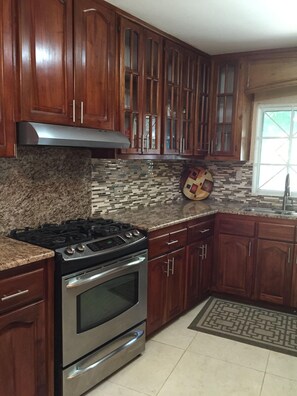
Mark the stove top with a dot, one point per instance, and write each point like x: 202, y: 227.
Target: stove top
x: 54, y: 236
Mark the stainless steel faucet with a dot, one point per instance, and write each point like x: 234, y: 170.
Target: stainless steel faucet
x: 287, y: 192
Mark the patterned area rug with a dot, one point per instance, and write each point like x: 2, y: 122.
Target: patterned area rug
x: 252, y: 325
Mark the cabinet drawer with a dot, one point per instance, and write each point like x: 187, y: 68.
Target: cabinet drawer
x: 21, y: 289
x: 167, y: 242
x: 200, y: 231
x: 237, y: 227
x: 275, y: 231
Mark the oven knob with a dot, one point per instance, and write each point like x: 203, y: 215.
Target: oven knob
x: 69, y: 250
x: 135, y: 232
x: 80, y: 248
x: 128, y: 235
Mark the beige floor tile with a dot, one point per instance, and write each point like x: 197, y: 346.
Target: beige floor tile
x: 282, y: 365
x: 230, y: 351
x: 148, y: 373
x: 177, y: 334
x: 204, y: 376
x: 191, y: 315
x: 107, y: 388
x: 278, y: 386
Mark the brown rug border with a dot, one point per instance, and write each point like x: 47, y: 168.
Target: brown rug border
x: 193, y: 326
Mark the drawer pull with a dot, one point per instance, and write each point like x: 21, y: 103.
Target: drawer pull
x: 19, y: 293
x: 204, y: 231
x: 171, y: 242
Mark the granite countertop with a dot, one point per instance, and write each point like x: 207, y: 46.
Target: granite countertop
x: 16, y: 253
x: 151, y: 218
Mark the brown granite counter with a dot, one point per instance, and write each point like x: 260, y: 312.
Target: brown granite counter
x: 15, y: 253
x: 152, y: 218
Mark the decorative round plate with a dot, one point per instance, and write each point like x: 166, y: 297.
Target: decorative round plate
x: 197, y: 183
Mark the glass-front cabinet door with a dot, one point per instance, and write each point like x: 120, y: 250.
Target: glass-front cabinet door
x: 188, y: 102
x: 140, y: 88
x: 152, y: 93
x: 131, y: 66
x: 201, y: 140
x: 225, y: 78
x: 172, y: 98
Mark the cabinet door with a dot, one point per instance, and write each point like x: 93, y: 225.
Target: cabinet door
x: 22, y: 343
x: 274, y: 271
x: 175, y: 283
x: 157, y: 281
x: 45, y: 40
x: 206, y: 268
x: 7, y: 126
x: 172, y: 98
x: 188, y: 100
x: 224, y: 94
x: 201, y: 141
x: 94, y: 64
x: 151, y: 143
x: 131, y: 80
x: 234, y: 265
x: 195, y: 255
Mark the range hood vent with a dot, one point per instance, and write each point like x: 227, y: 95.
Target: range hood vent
x: 33, y: 133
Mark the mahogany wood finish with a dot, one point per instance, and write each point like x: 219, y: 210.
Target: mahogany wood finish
x: 140, y: 87
x: 274, y: 271
x: 200, y: 229
x: 7, y: 87
x: 167, y: 239
x: 276, y: 231
x: 57, y: 85
x: 293, y: 302
x: 26, y: 330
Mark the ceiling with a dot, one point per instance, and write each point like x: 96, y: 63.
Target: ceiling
x: 221, y: 26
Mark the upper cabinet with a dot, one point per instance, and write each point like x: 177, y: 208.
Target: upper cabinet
x: 140, y: 87
x: 67, y: 60
x: 7, y: 97
x: 230, y: 112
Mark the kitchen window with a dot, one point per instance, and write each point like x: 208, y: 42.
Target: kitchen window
x: 275, y: 152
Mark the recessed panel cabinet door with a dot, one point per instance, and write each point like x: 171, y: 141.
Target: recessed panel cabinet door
x: 176, y: 283
x: 94, y: 64
x: 45, y: 40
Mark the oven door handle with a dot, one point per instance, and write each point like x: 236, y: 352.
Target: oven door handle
x: 84, y: 367
x: 82, y: 280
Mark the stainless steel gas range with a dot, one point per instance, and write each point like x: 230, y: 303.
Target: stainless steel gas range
x: 100, y: 298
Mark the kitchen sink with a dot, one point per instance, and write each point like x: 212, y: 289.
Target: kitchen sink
x: 270, y: 211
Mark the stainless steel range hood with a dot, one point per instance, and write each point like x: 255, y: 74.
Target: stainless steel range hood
x: 32, y: 133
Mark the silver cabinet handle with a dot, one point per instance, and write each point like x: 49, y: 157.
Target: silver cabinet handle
x: 204, y: 231
x: 167, y: 270
x: 73, y: 110
x: 83, y: 368
x: 205, y: 251
x: 82, y: 280
x: 183, y: 145
x: 81, y: 112
x: 17, y: 294
x: 172, y: 266
x: 171, y: 242
x: 289, y: 255
x: 202, y: 252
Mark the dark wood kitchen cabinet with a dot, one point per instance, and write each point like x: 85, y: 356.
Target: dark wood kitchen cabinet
x: 199, y: 261
x: 7, y: 104
x: 230, y: 110
x: 234, y: 255
x: 166, y: 275
x: 26, y: 330
x: 67, y: 62
x: 274, y: 263
x: 140, y: 87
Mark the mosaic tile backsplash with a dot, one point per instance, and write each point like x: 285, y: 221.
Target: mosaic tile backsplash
x: 44, y: 185
x: 126, y: 184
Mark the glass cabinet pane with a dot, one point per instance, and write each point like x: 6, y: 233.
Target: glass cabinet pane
x: 155, y: 97
x: 135, y: 92
x: 220, y: 109
x: 135, y: 51
x: 222, y: 79
x: 229, y: 108
x: 155, y: 60
x: 127, y: 92
x: 128, y: 48
x: 230, y: 79
x: 148, y: 57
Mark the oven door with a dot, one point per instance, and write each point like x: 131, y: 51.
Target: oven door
x: 101, y: 303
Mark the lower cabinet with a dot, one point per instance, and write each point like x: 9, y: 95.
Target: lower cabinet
x: 234, y: 265
x: 166, y: 283
x: 26, y: 330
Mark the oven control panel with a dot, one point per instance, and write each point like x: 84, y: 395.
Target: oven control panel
x: 101, y: 245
